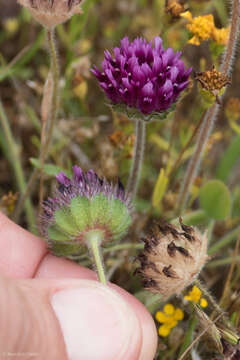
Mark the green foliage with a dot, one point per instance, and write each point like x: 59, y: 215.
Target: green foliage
x: 236, y: 202
x: 229, y: 160
x: 215, y: 199
x: 49, y: 169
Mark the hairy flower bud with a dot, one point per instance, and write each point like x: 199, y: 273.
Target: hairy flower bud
x: 50, y: 13
x: 172, y: 259
x: 83, y: 204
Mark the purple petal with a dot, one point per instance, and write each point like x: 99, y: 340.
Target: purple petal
x: 77, y: 173
x: 63, y: 179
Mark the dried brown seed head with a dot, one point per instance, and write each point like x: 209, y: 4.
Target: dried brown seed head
x: 172, y: 258
x: 50, y: 13
x: 174, y: 8
x: 212, y: 80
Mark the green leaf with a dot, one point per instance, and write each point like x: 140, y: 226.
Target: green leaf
x: 189, y: 333
x: 215, y: 199
x: 159, y: 189
x: 49, y: 169
x: 236, y: 202
x: 229, y: 159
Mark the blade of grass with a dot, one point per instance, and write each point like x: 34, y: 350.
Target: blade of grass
x: 12, y: 154
x: 225, y: 240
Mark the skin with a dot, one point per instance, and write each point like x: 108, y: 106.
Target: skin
x: 30, y: 277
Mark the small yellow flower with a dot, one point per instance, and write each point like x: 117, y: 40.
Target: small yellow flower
x: 169, y: 318
x: 203, y: 303
x: 178, y: 315
x: 169, y: 309
x: 11, y: 25
x: 221, y: 35
x: 164, y: 330
x: 203, y: 28
x: 195, y: 295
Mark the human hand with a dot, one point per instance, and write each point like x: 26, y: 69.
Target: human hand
x: 54, y: 309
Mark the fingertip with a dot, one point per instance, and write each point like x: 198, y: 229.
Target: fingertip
x: 149, y: 333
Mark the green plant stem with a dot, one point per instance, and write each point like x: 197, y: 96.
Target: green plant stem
x: 125, y: 246
x: 225, y: 261
x: 139, y: 146
x: 212, y: 113
x: 12, y: 153
x: 189, y: 334
x: 49, y: 131
x: 196, y: 217
x: 225, y: 240
x: 94, y: 239
x: 210, y: 230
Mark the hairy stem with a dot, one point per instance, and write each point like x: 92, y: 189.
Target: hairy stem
x: 216, y: 308
x: 47, y: 131
x: 212, y: 113
x: 14, y: 159
x: 94, y: 239
x: 139, y: 146
x: 178, y: 161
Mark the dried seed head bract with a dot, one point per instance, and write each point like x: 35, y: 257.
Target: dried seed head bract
x: 174, y: 7
x: 50, y: 13
x: 172, y: 259
x: 213, y: 82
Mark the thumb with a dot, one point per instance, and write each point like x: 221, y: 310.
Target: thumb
x: 66, y: 319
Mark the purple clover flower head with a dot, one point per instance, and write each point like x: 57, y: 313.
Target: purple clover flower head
x: 80, y: 204
x: 143, y: 76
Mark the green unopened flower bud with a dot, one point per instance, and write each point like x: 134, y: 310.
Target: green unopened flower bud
x: 81, y: 205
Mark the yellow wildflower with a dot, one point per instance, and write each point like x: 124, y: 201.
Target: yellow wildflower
x: 11, y: 25
x: 7, y: 202
x: 221, y: 35
x: 169, y: 318
x: 203, y: 303
x: 203, y: 28
x: 195, y: 295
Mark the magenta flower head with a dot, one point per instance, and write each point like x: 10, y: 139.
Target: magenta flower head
x: 82, y: 205
x: 143, y: 77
